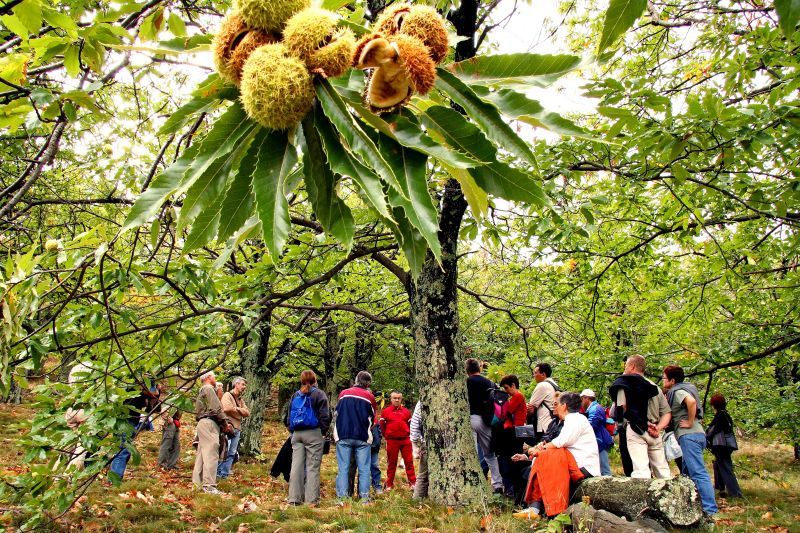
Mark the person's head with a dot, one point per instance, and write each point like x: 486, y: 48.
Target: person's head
x: 472, y: 366
x: 510, y: 383
x: 239, y: 384
x: 542, y: 371
x: 718, y: 401
x: 568, y: 402
x: 587, y: 397
x: 635, y: 365
x: 209, y: 379
x: 308, y: 379
x: 363, y: 379
x: 672, y: 376
x: 396, y: 398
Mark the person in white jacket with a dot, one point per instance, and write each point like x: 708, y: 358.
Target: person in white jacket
x: 418, y: 445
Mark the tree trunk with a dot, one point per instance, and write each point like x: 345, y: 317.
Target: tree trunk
x: 455, y: 476
x: 258, y: 375
x: 672, y: 502
x: 587, y: 518
x: 332, y: 354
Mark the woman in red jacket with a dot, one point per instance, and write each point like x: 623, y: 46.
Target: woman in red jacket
x: 396, y: 429
x: 507, y: 443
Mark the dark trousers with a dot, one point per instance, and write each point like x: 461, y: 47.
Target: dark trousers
x: 724, y: 476
x: 508, y: 445
x: 627, y: 463
x: 170, y: 450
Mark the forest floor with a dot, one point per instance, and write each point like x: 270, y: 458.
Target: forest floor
x: 150, y: 499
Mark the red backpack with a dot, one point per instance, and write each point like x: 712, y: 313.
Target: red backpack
x: 611, y: 424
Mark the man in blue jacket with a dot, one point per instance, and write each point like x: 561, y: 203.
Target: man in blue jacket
x: 355, y: 416
x: 597, y: 418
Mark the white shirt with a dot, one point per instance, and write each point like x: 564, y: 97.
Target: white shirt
x: 577, y: 436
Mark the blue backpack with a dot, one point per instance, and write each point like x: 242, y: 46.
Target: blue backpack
x: 301, y: 412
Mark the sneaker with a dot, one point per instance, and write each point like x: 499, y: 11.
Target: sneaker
x: 531, y: 513
x: 213, y: 490
x: 412, y: 486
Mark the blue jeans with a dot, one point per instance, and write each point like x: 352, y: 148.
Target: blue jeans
x: 375, y: 469
x: 224, y: 467
x: 345, y: 448
x: 605, y: 465
x: 120, y: 461
x: 692, y: 446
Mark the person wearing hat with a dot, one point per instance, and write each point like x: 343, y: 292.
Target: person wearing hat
x: 597, y: 419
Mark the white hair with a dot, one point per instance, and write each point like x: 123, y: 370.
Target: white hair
x: 237, y: 380
x: 209, y: 374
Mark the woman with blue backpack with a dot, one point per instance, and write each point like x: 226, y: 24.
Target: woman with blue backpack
x: 308, y: 419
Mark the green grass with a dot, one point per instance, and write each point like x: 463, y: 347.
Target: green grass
x: 153, y: 501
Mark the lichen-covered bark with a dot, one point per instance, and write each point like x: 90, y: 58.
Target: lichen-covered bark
x: 258, y: 375
x: 455, y: 476
x: 673, y: 502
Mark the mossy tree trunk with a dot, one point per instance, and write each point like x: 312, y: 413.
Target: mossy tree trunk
x: 455, y: 476
x: 258, y: 373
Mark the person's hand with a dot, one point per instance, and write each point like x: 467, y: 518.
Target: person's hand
x: 652, y: 429
x: 685, y: 424
x: 530, y: 408
x: 519, y: 457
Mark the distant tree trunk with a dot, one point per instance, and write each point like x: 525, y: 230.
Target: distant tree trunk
x: 258, y: 375
x: 14, y: 395
x: 787, y: 375
x: 332, y: 355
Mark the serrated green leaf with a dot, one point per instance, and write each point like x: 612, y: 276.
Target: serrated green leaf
x: 13, y: 67
x: 501, y: 180
x: 155, y: 230
x: 357, y: 141
x: 176, y: 25
x: 620, y: 17
x: 184, y: 114
x: 331, y: 211
x: 271, y: 156
x: 222, y: 138
x: 788, y: 15
x: 410, y: 135
x: 535, y: 69
x: 459, y: 133
x: 15, y: 25
x: 239, y: 201
x: 519, y: 107
x: 210, y: 185
x: 29, y: 13
x: 411, y: 241
x: 236, y: 239
x: 476, y: 197
x: 61, y: 20
x: 72, y: 60
x: 486, y: 116
x: 344, y: 163
x: 418, y: 204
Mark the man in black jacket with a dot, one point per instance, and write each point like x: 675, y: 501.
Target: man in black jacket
x: 481, y: 409
x: 644, y: 411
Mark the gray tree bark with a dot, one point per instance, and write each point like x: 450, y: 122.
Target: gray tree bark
x: 455, y: 476
x: 587, y: 518
x: 672, y: 502
x: 258, y: 374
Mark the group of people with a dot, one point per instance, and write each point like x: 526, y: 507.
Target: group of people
x: 537, y: 450
x: 358, y: 428
x: 532, y: 451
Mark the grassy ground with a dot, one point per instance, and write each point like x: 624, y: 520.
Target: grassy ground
x: 152, y: 500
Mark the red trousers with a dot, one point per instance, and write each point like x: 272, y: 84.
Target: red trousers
x: 393, y: 447
x: 551, y: 474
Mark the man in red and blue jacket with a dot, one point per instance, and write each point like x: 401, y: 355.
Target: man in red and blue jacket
x: 396, y: 429
x: 355, y: 416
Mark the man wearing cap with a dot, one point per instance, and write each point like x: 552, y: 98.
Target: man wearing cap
x: 597, y: 418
